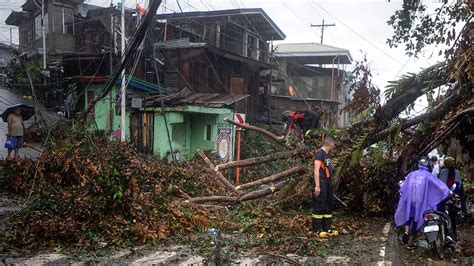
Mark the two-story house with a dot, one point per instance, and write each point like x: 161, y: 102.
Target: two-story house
x: 223, y: 52
x: 78, y: 35
x: 209, y: 66
x: 311, y: 75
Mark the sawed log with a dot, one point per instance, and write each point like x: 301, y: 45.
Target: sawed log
x: 212, y: 199
x: 262, y: 131
x: 219, y: 176
x: 262, y: 192
x: 246, y: 197
x: 294, y: 170
x: 257, y: 160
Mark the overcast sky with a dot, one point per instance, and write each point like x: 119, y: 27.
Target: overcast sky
x: 360, y: 26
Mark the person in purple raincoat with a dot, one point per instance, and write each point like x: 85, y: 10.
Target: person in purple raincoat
x: 420, y: 192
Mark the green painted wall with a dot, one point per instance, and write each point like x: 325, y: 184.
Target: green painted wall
x: 102, y: 112
x: 188, y: 126
x: 188, y: 130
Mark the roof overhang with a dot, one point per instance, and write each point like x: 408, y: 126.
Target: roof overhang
x: 186, y: 97
x: 15, y: 17
x: 313, y: 53
x: 306, y: 99
x: 171, y: 46
x: 258, y: 19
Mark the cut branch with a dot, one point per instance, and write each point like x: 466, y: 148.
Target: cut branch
x: 262, y: 192
x: 291, y: 171
x: 217, y: 174
x: 257, y: 160
x: 262, y: 131
x: 212, y: 199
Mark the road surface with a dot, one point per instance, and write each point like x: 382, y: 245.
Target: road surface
x: 8, y: 98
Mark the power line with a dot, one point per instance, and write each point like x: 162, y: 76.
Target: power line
x: 356, y: 33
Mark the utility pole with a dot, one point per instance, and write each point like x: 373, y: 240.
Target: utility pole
x: 322, y: 26
x: 123, y: 89
x: 43, y: 32
x: 11, y: 39
x: 111, y: 62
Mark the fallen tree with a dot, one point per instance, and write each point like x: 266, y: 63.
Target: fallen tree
x: 257, y: 160
x: 265, y: 180
x: 267, y: 134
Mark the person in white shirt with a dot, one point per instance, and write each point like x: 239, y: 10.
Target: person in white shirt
x: 434, y: 163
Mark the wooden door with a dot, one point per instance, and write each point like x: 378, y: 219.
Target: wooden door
x: 142, y: 131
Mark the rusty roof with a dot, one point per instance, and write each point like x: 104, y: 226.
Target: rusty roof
x: 187, y: 97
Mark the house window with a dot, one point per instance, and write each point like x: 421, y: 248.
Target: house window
x: 178, y: 135
x: 2, y: 59
x: 218, y: 36
x: 208, y: 132
x: 68, y: 21
x: 63, y: 20
x: 25, y: 37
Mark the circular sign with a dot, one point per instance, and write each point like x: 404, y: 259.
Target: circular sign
x: 223, y: 146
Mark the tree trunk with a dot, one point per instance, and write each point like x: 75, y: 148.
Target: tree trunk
x: 437, y: 112
x: 219, y: 176
x: 257, y: 160
x: 262, y: 192
x: 294, y: 170
x: 262, y: 131
x: 226, y: 199
x: 413, y: 89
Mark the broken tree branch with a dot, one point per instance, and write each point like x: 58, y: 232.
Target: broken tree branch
x: 212, y: 199
x: 219, y: 176
x: 437, y: 112
x: 262, y: 192
x: 257, y: 160
x: 291, y: 171
x: 262, y: 131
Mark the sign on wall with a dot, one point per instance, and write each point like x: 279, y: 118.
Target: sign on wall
x: 224, y: 143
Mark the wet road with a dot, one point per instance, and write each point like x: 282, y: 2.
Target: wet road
x: 8, y: 98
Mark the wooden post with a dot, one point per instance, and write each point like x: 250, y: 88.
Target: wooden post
x: 237, y: 170
x: 219, y: 176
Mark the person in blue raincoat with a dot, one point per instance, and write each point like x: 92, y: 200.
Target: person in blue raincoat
x: 421, y: 191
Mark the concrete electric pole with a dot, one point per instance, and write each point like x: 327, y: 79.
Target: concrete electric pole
x: 123, y: 87
x: 322, y: 26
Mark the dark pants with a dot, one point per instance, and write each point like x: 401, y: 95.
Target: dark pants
x: 322, y: 206
x: 451, y: 218
x: 413, y: 226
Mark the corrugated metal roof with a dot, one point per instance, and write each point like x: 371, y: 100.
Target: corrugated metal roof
x: 315, y: 53
x: 186, y: 97
x: 256, y: 16
x: 15, y: 17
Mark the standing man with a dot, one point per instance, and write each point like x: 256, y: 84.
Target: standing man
x: 15, y: 129
x: 434, y: 163
x: 322, y: 190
